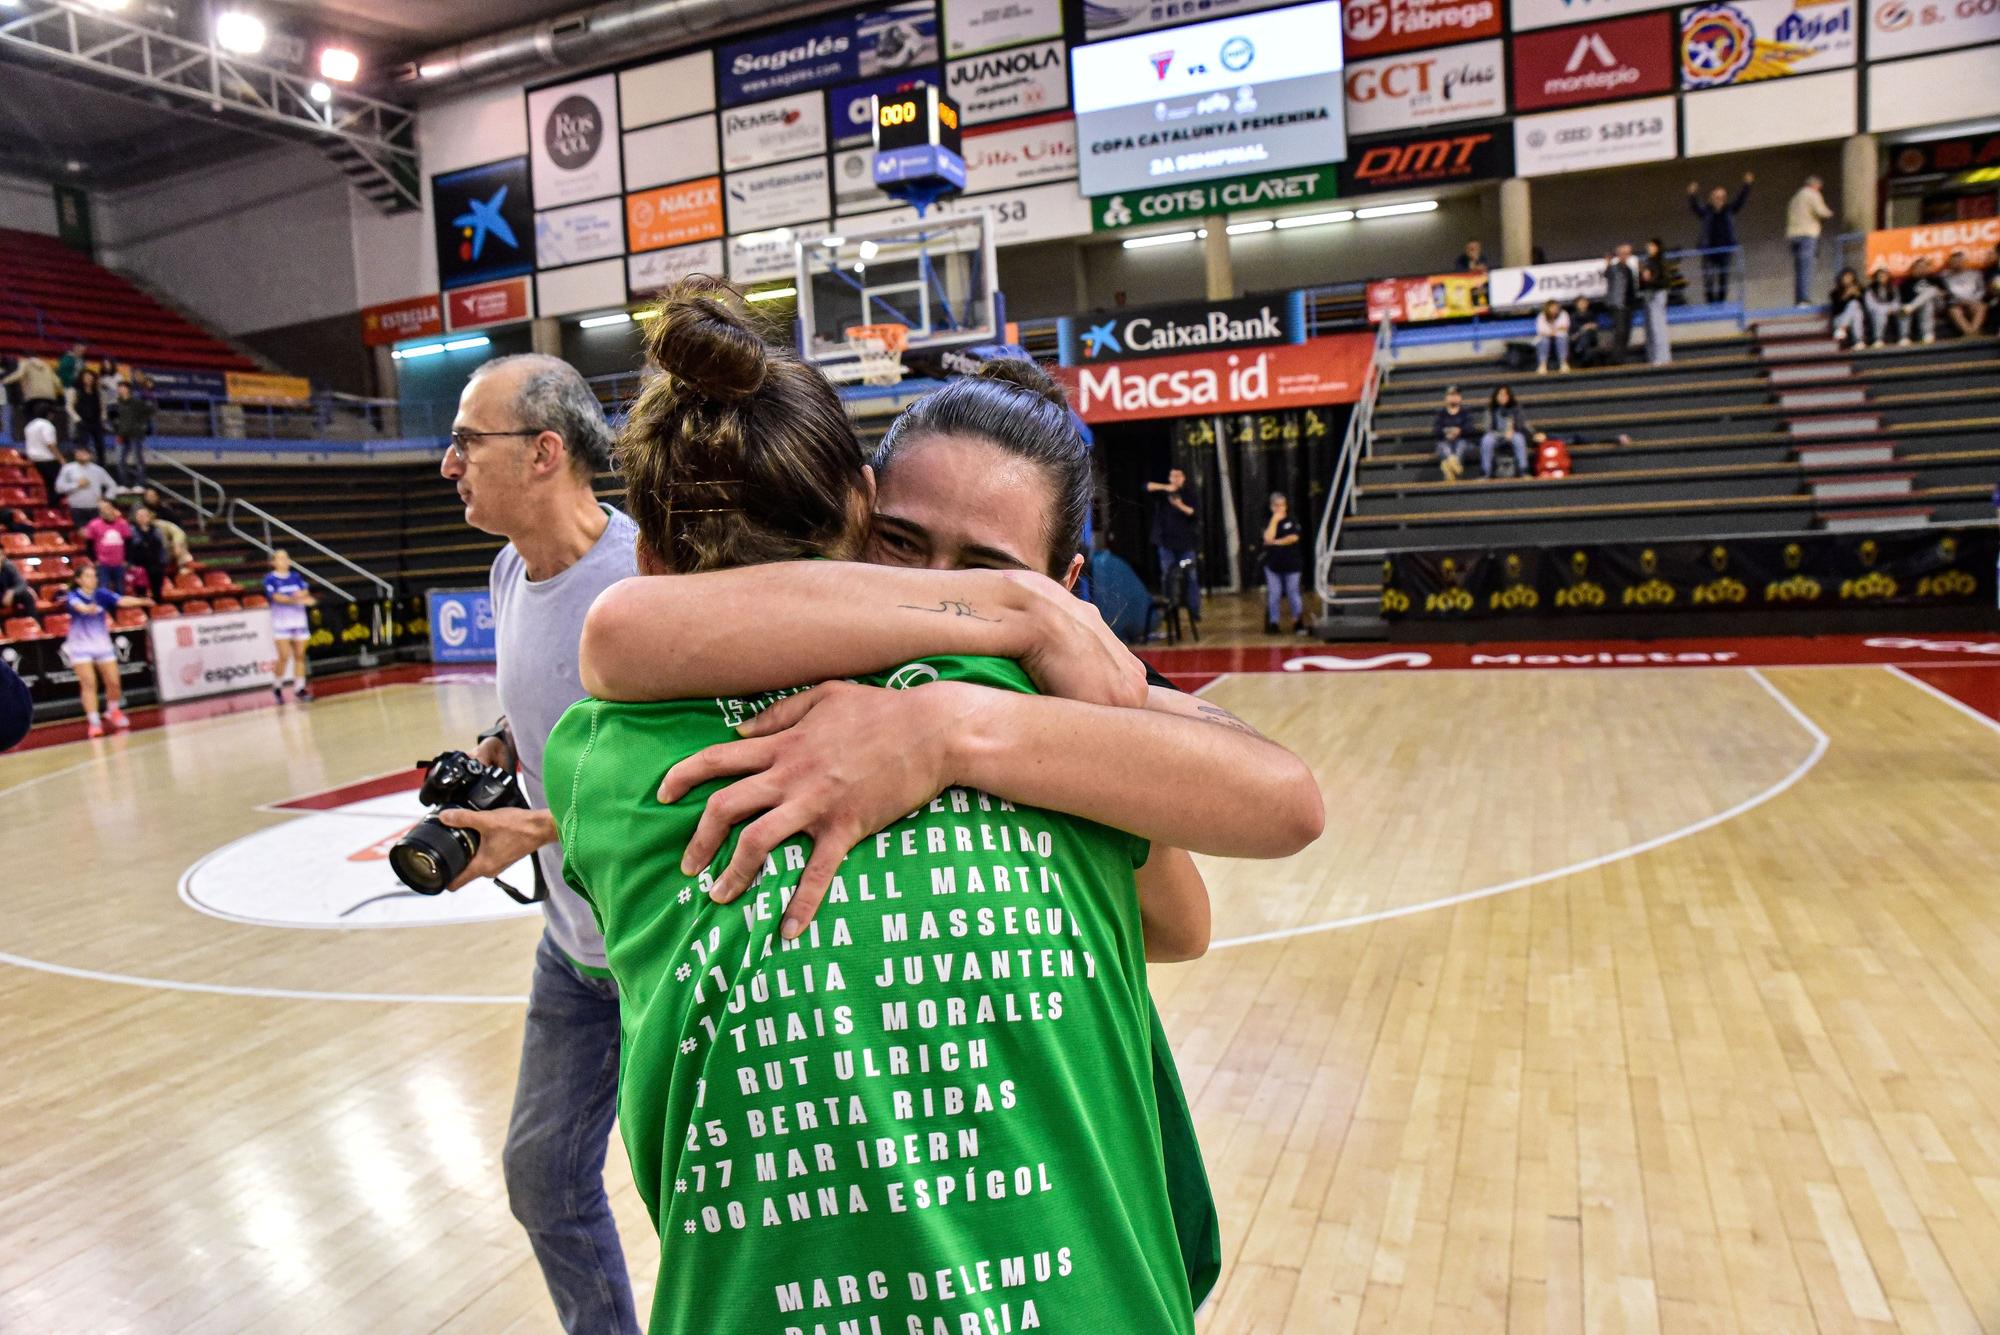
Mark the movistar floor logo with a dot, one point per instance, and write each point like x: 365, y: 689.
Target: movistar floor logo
x: 1101, y: 338
x: 481, y: 220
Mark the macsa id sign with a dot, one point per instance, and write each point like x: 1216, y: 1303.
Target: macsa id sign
x: 1318, y: 371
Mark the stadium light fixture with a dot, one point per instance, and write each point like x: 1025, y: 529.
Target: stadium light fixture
x: 604, y: 321
x: 771, y: 294
x: 1398, y: 210
x: 239, y: 31
x: 320, y: 92
x: 650, y: 313
x: 1250, y: 228
x: 869, y: 250
x: 339, y: 65
x: 421, y: 350
x: 1160, y: 239
x: 1316, y: 219
x: 466, y: 344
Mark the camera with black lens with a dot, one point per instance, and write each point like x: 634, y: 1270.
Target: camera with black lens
x: 433, y: 855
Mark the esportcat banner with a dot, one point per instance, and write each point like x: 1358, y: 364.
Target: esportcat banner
x: 1927, y: 567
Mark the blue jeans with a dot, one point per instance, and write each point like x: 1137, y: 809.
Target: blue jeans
x: 1805, y: 251
x: 1170, y: 560
x: 131, y: 449
x: 1278, y: 586
x: 1544, y: 343
x: 1659, y: 343
x: 565, y: 1101
x: 1489, y: 442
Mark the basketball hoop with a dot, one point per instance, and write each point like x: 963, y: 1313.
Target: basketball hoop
x: 879, y: 348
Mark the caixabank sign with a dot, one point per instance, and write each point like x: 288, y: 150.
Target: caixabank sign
x: 1161, y: 331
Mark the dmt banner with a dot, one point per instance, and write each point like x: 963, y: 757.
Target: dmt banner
x: 1918, y: 568
x: 462, y: 626
x: 207, y: 655
x: 1899, y: 247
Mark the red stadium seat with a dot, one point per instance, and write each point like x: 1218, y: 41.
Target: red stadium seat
x: 50, y: 517
x: 50, y: 597
x: 10, y: 455
x: 48, y: 540
x: 219, y: 579
x: 55, y: 625
x: 255, y: 600
x: 21, y: 628
x: 228, y: 605
x: 129, y: 618
x: 164, y: 610
x: 196, y: 607
x: 50, y: 568
x: 15, y: 543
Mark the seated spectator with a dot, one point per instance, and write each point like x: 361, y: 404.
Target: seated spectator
x: 16, y: 598
x: 1505, y: 421
x: 1922, y: 296
x: 1884, y: 307
x: 1585, y: 333
x: 1472, y: 259
x: 1552, y: 336
x: 1849, y: 311
x: 108, y: 535
x: 1451, y: 432
x: 162, y: 508
x: 1965, y: 295
x: 18, y: 522
x: 83, y: 484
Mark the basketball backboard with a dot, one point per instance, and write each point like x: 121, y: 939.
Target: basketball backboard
x: 935, y: 276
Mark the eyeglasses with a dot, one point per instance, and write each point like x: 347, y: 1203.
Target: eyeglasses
x: 462, y: 441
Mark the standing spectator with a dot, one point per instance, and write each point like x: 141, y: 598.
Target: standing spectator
x: 1884, y: 304
x: 132, y: 420
x: 290, y: 627
x: 1715, y: 234
x: 1505, y: 421
x: 1585, y: 335
x: 1658, y: 278
x: 1283, y: 561
x: 1620, y: 287
x: 41, y: 389
x: 150, y: 549
x: 1451, y: 431
x: 1849, y: 309
x: 67, y: 371
x: 1175, y: 525
x: 39, y: 439
x: 1552, y: 336
x: 1472, y: 259
x: 16, y: 598
x: 1803, y: 216
x: 87, y: 407
x: 82, y: 484
x: 1965, y: 293
x: 108, y: 536
x: 89, y: 648
x: 1923, y: 294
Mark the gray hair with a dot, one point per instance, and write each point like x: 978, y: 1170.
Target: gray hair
x: 553, y: 396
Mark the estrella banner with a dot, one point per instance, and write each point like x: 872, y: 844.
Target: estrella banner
x: 462, y: 626
x: 1811, y: 571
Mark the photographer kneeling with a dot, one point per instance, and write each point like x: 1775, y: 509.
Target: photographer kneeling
x: 528, y: 440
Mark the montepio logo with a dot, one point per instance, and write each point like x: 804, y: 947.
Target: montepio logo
x: 771, y: 62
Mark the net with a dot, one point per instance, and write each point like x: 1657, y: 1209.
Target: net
x: 879, y: 350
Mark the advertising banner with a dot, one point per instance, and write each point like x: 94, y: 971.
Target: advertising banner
x: 676, y: 151
x: 761, y: 256
x: 1119, y: 18
x: 1770, y: 111
x: 207, y: 655
x: 394, y: 321
x: 1160, y: 331
x: 485, y: 221
x: 1531, y: 286
x: 1258, y: 93
x: 1440, y: 296
x: 1548, y: 13
x: 1944, y: 157
x: 646, y: 274
x: 790, y: 127
x: 830, y: 51
x: 775, y: 196
x: 364, y: 626
x: 1297, y: 375
x: 1900, y: 247
x: 259, y: 387
x: 1037, y: 213
x: 1276, y: 190
x: 674, y: 215
x: 503, y: 302
x: 1814, y: 571
x: 1010, y: 156
x: 597, y: 286
x: 666, y: 90
x: 571, y: 141
x: 1375, y: 27
x: 579, y: 233
x: 1446, y: 158
x: 1594, y: 63
x: 1453, y: 83
x: 1943, y: 88
x: 850, y: 110
x: 1747, y: 40
x: 854, y: 188
x: 45, y: 670
x: 1912, y: 27
x: 982, y: 25
x: 1001, y: 85
x: 1590, y: 137
x: 179, y: 384
x: 462, y: 626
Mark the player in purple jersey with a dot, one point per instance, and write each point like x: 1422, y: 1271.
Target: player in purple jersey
x: 290, y: 627
x: 89, y: 649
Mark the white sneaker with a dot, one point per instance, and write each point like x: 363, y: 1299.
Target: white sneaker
x: 1541, y: 370
x: 1930, y: 338
x: 1903, y: 342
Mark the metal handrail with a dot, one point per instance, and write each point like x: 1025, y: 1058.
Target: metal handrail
x: 1359, y: 440
x: 200, y: 480
x: 270, y: 521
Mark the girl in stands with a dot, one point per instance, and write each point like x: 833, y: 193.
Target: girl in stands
x: 289, y: 598
x: 1848, y: 306
x: 89, y: 649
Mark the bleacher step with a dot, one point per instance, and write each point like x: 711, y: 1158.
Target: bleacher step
x: 1811, y: 374
x: 1835, y: 426
x: 1791, y: 326
x: 1875, y: 487
x: 1866, y: 521
x: 1835, y: 456
x: 1793, y: 350
x: 1793, y: 400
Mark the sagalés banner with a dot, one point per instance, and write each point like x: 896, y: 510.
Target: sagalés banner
x: 1297, y: 375
x: 1918, y: 568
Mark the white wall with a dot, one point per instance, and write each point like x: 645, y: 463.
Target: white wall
x: 27, y: 206
x: 393, y: 256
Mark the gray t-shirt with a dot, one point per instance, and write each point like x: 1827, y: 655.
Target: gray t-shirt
x: 538, y: 625
x: 84, y: 485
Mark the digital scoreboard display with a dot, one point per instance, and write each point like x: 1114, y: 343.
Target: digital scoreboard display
x: 917, y: 143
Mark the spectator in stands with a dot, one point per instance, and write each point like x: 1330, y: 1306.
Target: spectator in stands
x: 41, y: 389
x: 1848, y: 306
x: 1620, y: 295
x: 1451, y: 432
x: 1803, y: 216
x: 1923, y: 295
x: 290, y: 627
x: 132, y: 420
x: 1965, y: 295
x: 87, y: 407
x: 67, y: 371
x: 108, y: 535
x: 162, y: 508
x: 88, y: 646
x: 1505, y: 421
x: 1472, y: 259
x: 151, y: 549
x: 1284, y: 559
x: 1176, y: 524
x: 1884, y: 307
x: 1551, y: 337
x: 1715, y: 234
x: 17, y: 599
x: 39, y: 440
x: 82, y: 484
x: 1659, y: 278
x: 1585, y: 333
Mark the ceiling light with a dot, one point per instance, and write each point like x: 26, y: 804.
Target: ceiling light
x: 1164, y: 239
x: 464, y: 344
x: 239, y: 31
x: 1246, y: 229
x: 650, y: 313
x: 1316, y: 219
x: 339, y: 64
x: 1398, y: 210
x: 421, y: 350
x: 833, y: 242
x: 604, y: 321
x: 869, y: 250
x: 73, y: 165
x: 771, y: 294
x: 320, y: 93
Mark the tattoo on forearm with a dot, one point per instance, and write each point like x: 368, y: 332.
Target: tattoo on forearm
x: 951, y: 607
x: 1211, y: 714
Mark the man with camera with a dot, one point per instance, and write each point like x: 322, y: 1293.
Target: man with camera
x: 528, y: 440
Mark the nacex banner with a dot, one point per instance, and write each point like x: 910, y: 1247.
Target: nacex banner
x: 1318, y: 371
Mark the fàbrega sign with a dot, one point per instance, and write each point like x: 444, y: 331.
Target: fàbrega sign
x: 1298, y: 375
x: 1159, y: 331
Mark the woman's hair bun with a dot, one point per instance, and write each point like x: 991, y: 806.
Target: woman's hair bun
x: 1024, y: 374
x: 706, y: 338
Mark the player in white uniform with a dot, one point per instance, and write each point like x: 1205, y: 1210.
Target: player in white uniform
x: 89, y: 649
x: 290, y: 627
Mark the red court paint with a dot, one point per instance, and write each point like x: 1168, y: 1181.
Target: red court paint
x: 1974, y: 690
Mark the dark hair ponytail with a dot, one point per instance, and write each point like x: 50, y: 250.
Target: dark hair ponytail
x: 1017, y: 407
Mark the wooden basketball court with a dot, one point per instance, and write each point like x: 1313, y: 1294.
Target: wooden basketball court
x: 1624, y: 998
